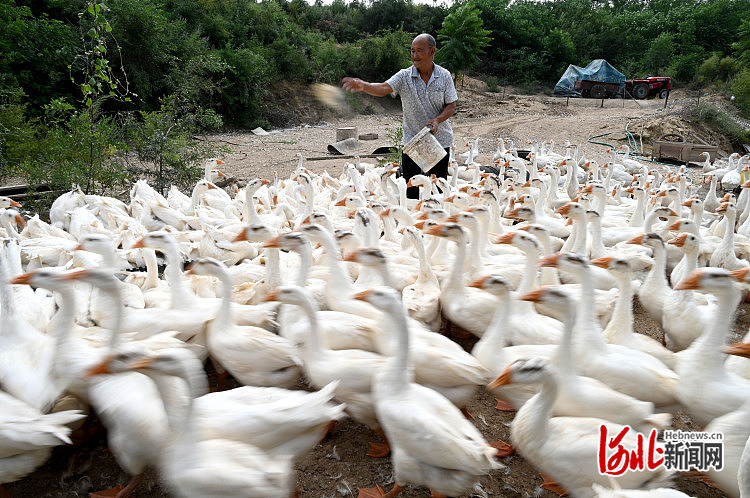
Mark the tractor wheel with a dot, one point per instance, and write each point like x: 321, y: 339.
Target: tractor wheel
x: 640, y: 91
x: 598, y: 92
x: 663, y: 94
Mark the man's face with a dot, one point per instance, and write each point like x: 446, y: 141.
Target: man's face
x: 422, y: 54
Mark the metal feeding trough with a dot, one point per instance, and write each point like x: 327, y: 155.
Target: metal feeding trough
x: 674, y: 146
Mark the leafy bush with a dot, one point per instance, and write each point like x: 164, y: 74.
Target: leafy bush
x: 166, y: 152
x: 740, y: 88
x: 493, y: 84
x: 723, y: 122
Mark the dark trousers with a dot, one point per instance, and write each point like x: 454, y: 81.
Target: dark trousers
x: 409, y: 168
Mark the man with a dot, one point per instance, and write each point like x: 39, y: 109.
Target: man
x: 428, y: 98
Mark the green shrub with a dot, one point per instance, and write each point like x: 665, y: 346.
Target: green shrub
x: 740, y: 88
x: 723, y: 122
x: 493, y: 84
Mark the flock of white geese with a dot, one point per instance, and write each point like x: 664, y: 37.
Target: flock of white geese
x: 346, y: 283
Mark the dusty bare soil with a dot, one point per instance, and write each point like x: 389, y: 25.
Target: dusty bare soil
x: 338, y: 465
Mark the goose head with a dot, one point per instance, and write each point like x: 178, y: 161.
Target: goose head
x: 567, y: 261
x: 207, y: 266
x: 614, y: 264
x: 521, y: 239
x: 179, y: 362
x: 494, y: 284
x: 709, y: 279
x: 291, y: 294
x: 524, y: 371
x: 571, y: 210
x: 553, y: 297
x: 161, y: 240
x: 95, y: 242
x: 254, y: 233
x: 383, y: 298
x: 368, y: 256
x: 685, y: 241
x: 7, y: 202
x: 452, y: 231
x: 651, y: 239
x: 46, y: 278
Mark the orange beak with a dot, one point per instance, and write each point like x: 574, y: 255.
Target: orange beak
x: 738, y: 349
x: 506, y: 238
x: 675, y: 225
x: 342, y: 202
x: 602, y: 262
x: 15, y: 203
x: 219, y: 161
x: 564, y: 210
x: 479, y: 282
x: 74, y: 275
x: 140, y: 244
x: 740, y: 274
x: 549, y: 261
x: 271, y: 296
x: 502, y: 380
x: 362, y: 296
x: 678, y: 241
x: 419, y: 225
x: 435, y: 230
x: 273, y: 242
x: 691, y: 282
x: 101, y: 368
x: 534, y: 296
x: 22, y: 279
x: 638, y: 239
x: 241, y: 237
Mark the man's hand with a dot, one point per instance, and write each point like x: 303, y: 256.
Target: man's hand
x: 353, y: 84
x: 433, y: 125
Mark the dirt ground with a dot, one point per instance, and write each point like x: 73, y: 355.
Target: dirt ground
x: 338, y: 465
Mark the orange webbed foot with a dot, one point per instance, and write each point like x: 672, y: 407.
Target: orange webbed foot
x: 467, y: 414
x: 379, y: 450
x: 504, y: 406
x: 376, y: 492
x: 107, y: 493
x: 551, y: 485
x: 503, y: 449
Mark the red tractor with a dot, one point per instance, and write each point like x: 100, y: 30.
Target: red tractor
x: 642, y: 88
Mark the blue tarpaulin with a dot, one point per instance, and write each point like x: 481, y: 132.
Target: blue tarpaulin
x: 597, y: 70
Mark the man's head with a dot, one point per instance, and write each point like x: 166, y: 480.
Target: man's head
x: 423, y: 51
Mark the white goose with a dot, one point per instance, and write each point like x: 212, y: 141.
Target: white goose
x: 619, y: 329
x: 705, y: 388
x: 565, y: 448
x: 433, y: 444
x: 254, y: 356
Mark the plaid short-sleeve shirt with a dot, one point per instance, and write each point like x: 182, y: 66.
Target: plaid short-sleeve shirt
x: 422, y: 102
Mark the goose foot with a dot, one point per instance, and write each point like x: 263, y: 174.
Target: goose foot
x: 379, y: 450
x: 119, y: 491
x: 377, y: 492
x: 503, y: 449
x: 328, y: 430
x: 551, y: 485
x: 107, y: 493
x: 467, y: 414
x: 698, y: 476
x: 435, y: 494
x: 504, y: 406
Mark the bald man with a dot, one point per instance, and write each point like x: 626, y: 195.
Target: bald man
x: 428, y: 98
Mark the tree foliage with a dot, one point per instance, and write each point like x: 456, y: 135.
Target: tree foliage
x: 463, y: 39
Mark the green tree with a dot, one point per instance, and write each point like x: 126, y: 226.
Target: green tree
x: 742, y: 46
x: 464, y: 39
